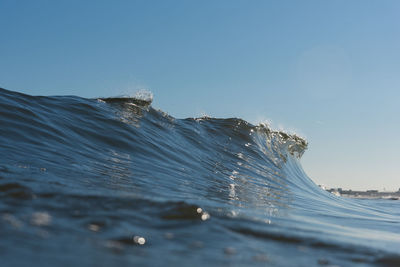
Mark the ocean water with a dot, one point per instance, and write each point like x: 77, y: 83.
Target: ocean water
x: 115, y: 182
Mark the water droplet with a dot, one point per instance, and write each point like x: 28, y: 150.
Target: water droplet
x: 41, y: 219
x: 139, y: 240
x: 94, y: 227
x: 205, y: 216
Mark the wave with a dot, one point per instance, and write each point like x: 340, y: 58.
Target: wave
x: 94, y: 176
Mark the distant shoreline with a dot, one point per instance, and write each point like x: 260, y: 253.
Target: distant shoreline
x: 369, y: 194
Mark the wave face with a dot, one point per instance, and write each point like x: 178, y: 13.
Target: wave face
x: 113, y: 181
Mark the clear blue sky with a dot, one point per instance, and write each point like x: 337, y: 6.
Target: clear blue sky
x: 329, y: 70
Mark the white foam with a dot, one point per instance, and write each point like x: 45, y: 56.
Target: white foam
x: 144, y: 95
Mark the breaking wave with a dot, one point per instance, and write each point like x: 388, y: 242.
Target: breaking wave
x: 114, y: 181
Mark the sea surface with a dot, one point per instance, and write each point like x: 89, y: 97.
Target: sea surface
x: 115, y: 182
